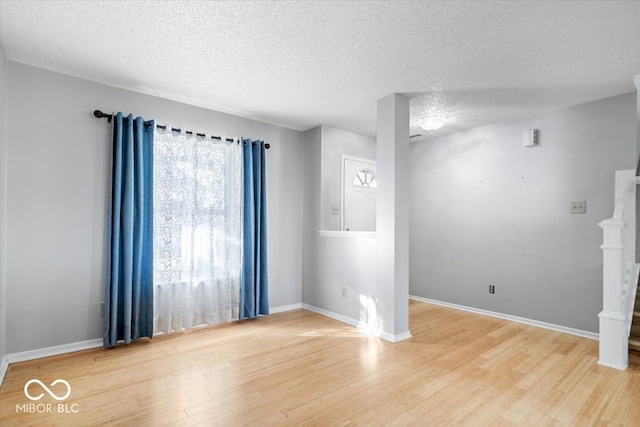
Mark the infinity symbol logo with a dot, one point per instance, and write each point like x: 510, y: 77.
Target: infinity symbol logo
x: 52, y: 394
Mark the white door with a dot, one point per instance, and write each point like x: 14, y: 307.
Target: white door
x: 359, y: 194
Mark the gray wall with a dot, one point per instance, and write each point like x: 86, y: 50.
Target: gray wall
x: 58, y: 157
x: 484, y: 211
x: 335, y: 143
x: 487, y: 211
x: 3, y: 168
x: 331, y: 263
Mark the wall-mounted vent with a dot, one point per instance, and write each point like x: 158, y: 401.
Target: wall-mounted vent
x: 530, y: 138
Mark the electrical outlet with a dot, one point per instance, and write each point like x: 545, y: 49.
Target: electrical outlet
x: 344, y: 293
x: 101, y: 309
x: 492, y: 289
x: 579, y: 207
x: 335, y: 210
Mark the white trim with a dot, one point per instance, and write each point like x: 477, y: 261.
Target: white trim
x: 612, y: 247
x: 4, y: 149
x: 84, y: 345
x: 4, y: 365
x: 53, y: 351
x: 403, y: 336
x: 620, y: 367
x: 361, y: 328
x: 612, y: 315
x: 612, y: 223
x: 530, y: 322
x: 89, y: 344
x: 283, y: 308
x: 344, y: 158
x: 331, y: 314
x: 393, y: 338
x: 352, y: 234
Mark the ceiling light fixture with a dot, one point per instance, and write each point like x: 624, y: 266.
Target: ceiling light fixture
x: 431, y: 122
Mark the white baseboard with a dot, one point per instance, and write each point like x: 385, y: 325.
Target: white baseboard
x: 618, y: 367
x: 45, y: 352
x: 393, y: 338
x: 331, y: 314
x: 4, y: 365
x: 282, y: 308
x: 83, y: 345
x: 530, y: 322
x: 53, y: 351
x: 358, y: 324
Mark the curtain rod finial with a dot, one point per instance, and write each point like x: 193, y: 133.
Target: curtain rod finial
x: 99, y: 114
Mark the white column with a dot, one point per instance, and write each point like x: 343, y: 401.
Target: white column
x: 614, y: 344
x: 391, y: 296
x: 636, y: 82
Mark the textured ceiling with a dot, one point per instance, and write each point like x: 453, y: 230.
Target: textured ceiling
x: 300, y: 64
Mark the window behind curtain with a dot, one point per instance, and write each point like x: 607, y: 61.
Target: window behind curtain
x: 197, y: 231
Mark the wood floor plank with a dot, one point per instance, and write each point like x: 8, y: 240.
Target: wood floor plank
x: 633, y: 416
x: 623, y: 400
x: 576, y: 399
x: 301, y: 368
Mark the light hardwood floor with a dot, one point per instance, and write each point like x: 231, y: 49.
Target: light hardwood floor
x: 300, y: 368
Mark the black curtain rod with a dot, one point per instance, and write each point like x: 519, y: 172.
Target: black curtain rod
x: 99, y: 114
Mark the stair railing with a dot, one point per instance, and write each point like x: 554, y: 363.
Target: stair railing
x: 620, y: 274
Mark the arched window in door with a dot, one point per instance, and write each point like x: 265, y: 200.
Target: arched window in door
x: 365, y: 179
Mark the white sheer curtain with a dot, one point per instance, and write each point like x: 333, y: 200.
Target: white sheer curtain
x: 197, y: 231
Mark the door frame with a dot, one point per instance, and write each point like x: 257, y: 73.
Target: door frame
x: 344, y: 158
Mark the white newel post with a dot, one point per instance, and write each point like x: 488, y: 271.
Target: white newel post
x: 614, y: 344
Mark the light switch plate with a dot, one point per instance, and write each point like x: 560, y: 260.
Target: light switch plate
x: 578, y: 207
